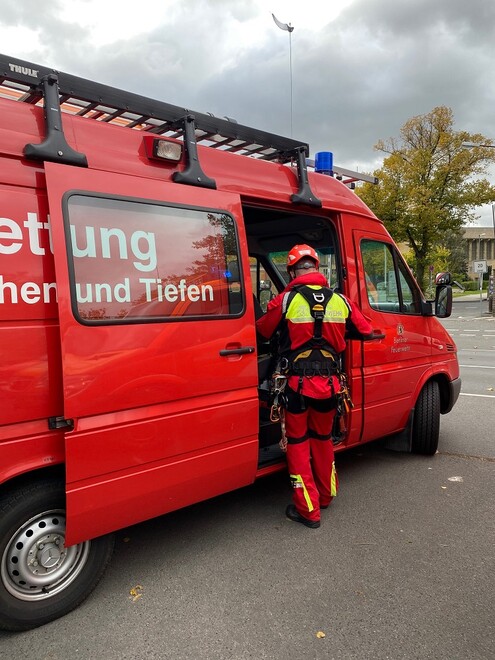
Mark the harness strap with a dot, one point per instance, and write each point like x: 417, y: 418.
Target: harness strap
x: 311, y: 361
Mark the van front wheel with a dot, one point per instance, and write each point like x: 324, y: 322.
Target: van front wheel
x: 40, y: 578
x: 426, y: 424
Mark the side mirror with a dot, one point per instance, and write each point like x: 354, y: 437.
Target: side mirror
x: 443, y: 301
x: 443, y: 278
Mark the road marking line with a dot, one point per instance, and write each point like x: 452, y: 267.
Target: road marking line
x: 467, y: 335
x: 476, y: 350
x: 483, y: 396
x: 475, y: 366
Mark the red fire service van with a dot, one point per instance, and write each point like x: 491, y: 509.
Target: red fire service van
x: 139, y: 242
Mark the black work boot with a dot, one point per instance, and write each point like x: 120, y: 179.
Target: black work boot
x: 292, y: 514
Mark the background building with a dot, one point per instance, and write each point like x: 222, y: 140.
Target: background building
x: 480, y: 245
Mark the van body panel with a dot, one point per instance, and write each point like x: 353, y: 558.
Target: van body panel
x: 28, y: 447
x: 98, y: 505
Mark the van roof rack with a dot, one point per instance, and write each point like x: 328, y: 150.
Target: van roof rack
x: 351, y: 175
x: 61, y: 92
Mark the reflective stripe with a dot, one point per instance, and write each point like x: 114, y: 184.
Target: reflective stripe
x: 301, y: 319
x: 297, y: 479
x: 299, y: 310
x: 333, y: 481
x: 285, y: 301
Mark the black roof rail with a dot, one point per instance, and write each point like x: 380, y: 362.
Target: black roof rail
x: 61, y: 92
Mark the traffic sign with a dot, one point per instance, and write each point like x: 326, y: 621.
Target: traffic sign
x: 480, y: 266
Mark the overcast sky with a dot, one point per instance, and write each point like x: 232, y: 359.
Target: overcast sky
x: 360, y: 68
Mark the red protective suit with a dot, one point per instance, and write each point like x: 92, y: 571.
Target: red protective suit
x: 310, y: 406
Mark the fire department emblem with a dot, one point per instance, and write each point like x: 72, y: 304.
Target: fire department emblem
x: 400, y: 329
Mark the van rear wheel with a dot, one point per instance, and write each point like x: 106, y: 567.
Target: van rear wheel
x: 40, y: 578
x: 426, y: 424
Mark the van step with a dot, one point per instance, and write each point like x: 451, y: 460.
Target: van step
x: 270, y: 455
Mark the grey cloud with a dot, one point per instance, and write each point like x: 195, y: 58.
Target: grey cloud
x: 376, y: 66
x: 469, y: 20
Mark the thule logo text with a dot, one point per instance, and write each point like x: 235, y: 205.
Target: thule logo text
x: 24, y: 70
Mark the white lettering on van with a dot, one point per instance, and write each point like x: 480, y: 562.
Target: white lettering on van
x: 113, y: 242
x: 103, y: 292
x: 156, y: 290
x: 90, y: 249
x: 29, y: 292
x: 98, y: 243
x: 148, y: 254
x: 11, y: 241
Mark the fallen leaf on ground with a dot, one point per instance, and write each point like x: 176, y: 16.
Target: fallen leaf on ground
x: 136, y: 592
x: 320, y: 634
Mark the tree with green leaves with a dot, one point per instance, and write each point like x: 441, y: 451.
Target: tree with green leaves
x: 430, y: 183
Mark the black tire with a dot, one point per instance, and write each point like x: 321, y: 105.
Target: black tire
x: 41, y: 579
x: 426, y: 424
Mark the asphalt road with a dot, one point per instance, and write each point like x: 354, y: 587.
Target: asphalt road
x: 401, y: 568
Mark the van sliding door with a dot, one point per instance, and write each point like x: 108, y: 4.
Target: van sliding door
x: 157, y: 338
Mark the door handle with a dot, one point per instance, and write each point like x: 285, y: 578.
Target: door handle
x: 375, y: 334
x: 242, y: 350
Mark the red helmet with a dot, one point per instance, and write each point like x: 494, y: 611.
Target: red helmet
x: 299, y: 252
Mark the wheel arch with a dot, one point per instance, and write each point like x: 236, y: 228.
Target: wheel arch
x: 446, y: 393
x: 53, y: 472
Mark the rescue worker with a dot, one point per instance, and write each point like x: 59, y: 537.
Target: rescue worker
x: 313, y: 321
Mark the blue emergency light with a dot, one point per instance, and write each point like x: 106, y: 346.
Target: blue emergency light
x: 324, y: 162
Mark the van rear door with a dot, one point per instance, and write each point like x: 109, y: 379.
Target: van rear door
x: 158, y: 346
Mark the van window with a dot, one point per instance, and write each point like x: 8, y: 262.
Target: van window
x: 264, y: 288
x: 389, y: 284
x: 328, y: 264
x: 135, y: 261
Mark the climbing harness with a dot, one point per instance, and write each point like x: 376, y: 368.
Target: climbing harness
x: 315, y: 357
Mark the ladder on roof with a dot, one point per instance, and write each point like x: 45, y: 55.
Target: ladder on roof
x: 351, y: 175
x: 60, y: 92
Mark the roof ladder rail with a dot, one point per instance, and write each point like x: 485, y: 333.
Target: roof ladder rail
x: 54, y: 147
x: 304, y: 195
x: 192, y: 175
